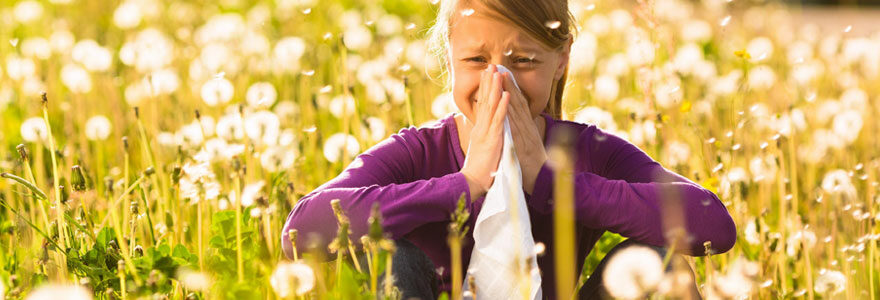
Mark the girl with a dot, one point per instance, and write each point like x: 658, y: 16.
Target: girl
x: 418, y: 174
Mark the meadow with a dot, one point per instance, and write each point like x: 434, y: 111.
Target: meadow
x: 154, y: 148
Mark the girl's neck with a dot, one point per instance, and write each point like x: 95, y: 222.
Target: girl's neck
x: 464, y: 126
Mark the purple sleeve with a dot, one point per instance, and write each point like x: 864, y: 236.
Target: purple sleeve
x: 632, y: 193
x: 383, y: 174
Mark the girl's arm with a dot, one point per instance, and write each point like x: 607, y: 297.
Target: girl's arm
x: 628, y: 192
x: 384, y: 174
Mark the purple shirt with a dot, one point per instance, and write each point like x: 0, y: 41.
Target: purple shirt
x: 414, y: 176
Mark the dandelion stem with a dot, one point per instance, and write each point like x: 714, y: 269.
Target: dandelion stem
x: 239, y: 263
x: 59, y: 207
x: 563, y: 222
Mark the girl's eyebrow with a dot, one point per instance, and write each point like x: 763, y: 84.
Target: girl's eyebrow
x: 481, y: 47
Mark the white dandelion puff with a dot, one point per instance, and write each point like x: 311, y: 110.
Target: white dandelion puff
x: 217, y: 91
x: 261, y: 94
x: 830, y: 282
x: 98, y: 128
x: 277, y: 159
x: 338, y: 143
x: 632, y: 272
x: 251, y: 192
x: 292, y: 278
x: 193, y: 280
x: 34, y: 129
x: 53, y: 291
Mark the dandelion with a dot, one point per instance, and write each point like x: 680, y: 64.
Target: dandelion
x: 217, y: 91
x: 277, y: 159
x: 262, y: 94
x: 838, y: 182
x: 127, y: 15
x: 847, y: 125
x: 34, y: 129
x: 376, y: 128
x: 606, y: 88
x: 761, y: 77
x: 632, y: 272
x: 251, y: 192
x: 357, y: 38
x: 739, y: 279
x: 91, y: 55
x: 338, y: 143
x: 193, y: 280
x: 19, y: 68
x: 27, y: 11
x: 292, y: 278
x: 287, y: 53
x: 763, y: 168
x: 37, y: 48
x: 830, y: 282
x: 807, y: 237
x: 76, y: 78
x: 596, y: 116
x: 98, y: 128
x: 67, y: 292
x: 342, y: 105
x: 229, y: 127
x: 751, y: 232
x: 262, y: 127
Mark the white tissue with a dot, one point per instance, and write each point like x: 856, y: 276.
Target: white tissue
x: 503, y: 262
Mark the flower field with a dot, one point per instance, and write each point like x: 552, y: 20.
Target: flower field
x: 154, y: 148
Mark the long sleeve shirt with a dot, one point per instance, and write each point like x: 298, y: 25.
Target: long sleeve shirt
x: 414, y: 176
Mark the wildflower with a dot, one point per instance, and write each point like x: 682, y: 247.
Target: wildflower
x: 19, y: 68
x: 596, y: 116
x: 229, y: 127
x: 443, y: 105
x: 847, y: 125
x: 606, y: 88
x: 376, y: 128
x: 340, y: 143
x: 763, y: 168
x: 357, y: 38
x: 805, y: 236
x: 761, y: 77
x: 632, y: 272
x: 261, y: 94
x: 838, y: 182
x: 676, y: 153
x: 127, y: 15
x: 761, y: 47
x: 739, y: 279
x: 27, y: 11
x: 193, y: 280
x: 76, y: 78
x: 251, y: 192
x: 52, y: 291
x: 277, y: 159
x: 287, y: 53
x: 830, y: 282
x: 91, y: 55
x: 342, y: 105
x: 36, y: 47
x: 751, y: 232
x: 217, y: 91
x: 34, y: 129
x: 291, y: 278
x: 262, y: 127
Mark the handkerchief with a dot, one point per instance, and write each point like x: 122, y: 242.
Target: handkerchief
x: 503, y: 261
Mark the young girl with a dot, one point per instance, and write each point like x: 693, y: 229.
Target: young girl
x: 418, y: 174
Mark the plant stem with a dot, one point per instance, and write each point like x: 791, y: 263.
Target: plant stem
x: 238, y: 259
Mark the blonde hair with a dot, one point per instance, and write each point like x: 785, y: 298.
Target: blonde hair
x: 531, y: 16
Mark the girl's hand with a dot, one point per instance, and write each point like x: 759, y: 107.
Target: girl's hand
x: 484, y: 146
x: 526, y: 136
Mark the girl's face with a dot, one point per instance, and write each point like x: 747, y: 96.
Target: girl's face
x: 478, y: 40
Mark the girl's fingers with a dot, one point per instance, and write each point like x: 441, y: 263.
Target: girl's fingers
x: 494, y: 93
x: 503, y: 104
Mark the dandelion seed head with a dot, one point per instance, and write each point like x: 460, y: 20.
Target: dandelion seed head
x: 829, y: 281
x: 338, y: 143
x: 34, y: 129
x: 292, y: 278
x: 632, y: 272
x: 193, y: 280
x: 217, y: 91
x: 54, y: 291
x: 98, y: 128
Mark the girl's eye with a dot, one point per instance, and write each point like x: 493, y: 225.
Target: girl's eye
x: 524, y: 60
x: 475, y: 59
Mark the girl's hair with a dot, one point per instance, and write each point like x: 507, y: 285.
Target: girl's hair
x: 535, y: 17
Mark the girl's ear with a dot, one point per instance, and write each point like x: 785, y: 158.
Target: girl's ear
x: 564, y: 55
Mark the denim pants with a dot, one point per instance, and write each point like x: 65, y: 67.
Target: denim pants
x: 416, y: 277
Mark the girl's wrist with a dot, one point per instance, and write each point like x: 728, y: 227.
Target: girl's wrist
x: 476, y: 190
